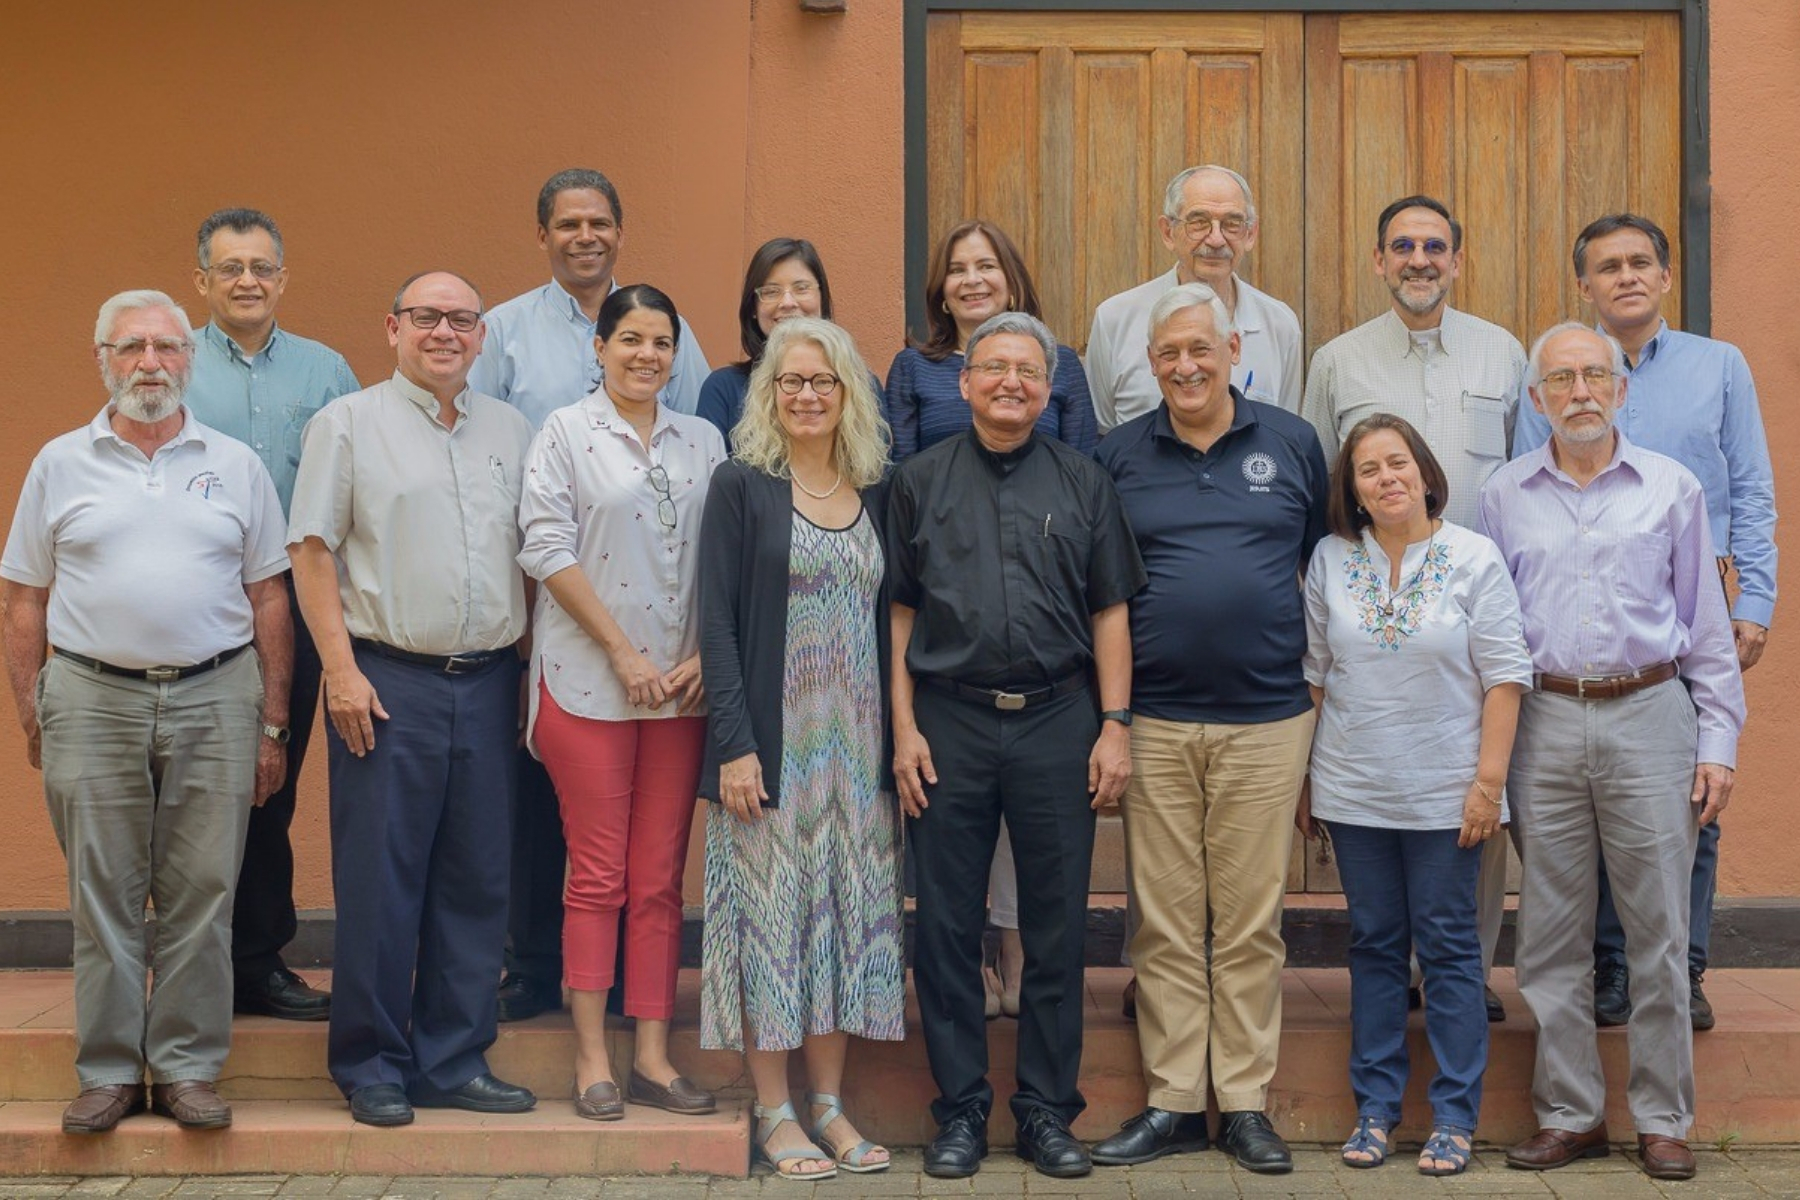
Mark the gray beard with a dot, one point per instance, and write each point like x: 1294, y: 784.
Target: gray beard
x: 147, y: 409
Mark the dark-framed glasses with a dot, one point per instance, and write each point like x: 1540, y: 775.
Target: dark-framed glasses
x: 1403, y: 247
x: 1199, y: 224
x: 262, y: 268
x: 800, y: 289
x: 793, y: 381
x: 995, y: 369
x: 461, y: 319
x: 1562, y: 382
x: 132, y: 349
x: 665, y: 503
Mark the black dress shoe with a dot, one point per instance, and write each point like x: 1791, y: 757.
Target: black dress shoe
x: 1249, y: 1138
x: 1152, y: 1134
x: 283, y: 994
x: 522, y: 998
x: 1612, y: 995
x: 1496, y: 1011
x: 1045, y: 1141
x: 960, y: 1145
x: 483, y: 1093
x: 381, y: 1104
x: 1700, y: 1010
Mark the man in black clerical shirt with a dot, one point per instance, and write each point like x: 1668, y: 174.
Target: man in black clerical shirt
x: 1011, y: 563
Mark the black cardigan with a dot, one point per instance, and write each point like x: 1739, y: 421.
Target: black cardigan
x: 745, y: 542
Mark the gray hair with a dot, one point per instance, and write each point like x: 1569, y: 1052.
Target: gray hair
x: 238, y: 220
x: 1020, y: 323
x: 1172, y: 193
x: 1185, y: 296
x: 863, y: 438
x: 132, y: 301
x: 1536, y: 374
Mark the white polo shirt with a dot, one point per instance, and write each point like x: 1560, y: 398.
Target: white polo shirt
x: 146, y: 559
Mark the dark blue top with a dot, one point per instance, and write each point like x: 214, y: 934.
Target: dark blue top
x: 1219, y: 631
x: 722, y: 398
x: 925, y: 403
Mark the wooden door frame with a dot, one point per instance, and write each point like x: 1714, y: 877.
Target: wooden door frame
x: 1696, y: 148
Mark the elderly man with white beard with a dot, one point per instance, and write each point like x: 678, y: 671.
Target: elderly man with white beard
x: 146, y: 553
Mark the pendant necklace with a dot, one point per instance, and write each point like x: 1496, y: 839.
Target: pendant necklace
x: 1408, y: 593
x: 827, y: 494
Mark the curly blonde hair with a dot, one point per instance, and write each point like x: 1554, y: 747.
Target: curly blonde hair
x: 862, y: 438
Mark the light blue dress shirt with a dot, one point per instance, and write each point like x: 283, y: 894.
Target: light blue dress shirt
x: 1692, y: 398
x: 265, y: 400
x: 539, y: 356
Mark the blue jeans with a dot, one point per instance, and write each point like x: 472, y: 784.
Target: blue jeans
x: 1609, y: 935
x: 1409, y: 890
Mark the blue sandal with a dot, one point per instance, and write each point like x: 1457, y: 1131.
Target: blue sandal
x: 1370, y: 1138
x: 854, y: 1159
x: 768, y: 1120
x: 1445, y: 1145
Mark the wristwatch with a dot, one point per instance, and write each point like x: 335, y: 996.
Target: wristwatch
x: 1121, y: 715
x: 278, y: 733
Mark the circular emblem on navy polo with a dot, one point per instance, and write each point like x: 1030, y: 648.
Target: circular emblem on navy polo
x: 1259, y: 469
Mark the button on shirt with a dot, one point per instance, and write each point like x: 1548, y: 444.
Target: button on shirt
x: 589, y: 503
x: 1118, y: 351
x: 1620, y: 575
x: 539, y: 356
x: 1460, y: 390
x: 265, y: 399
x: 1692, y: 398
x: 423, y: 519
x: 146, y: 559
x: 1006, y: 557
x: 1218, y: 631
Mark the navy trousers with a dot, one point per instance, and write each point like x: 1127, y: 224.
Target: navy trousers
x: 420, y: 828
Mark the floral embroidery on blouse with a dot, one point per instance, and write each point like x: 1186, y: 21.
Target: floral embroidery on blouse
x: 1391, y: 619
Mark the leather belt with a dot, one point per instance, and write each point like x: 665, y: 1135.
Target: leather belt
x: 1007, y: 699
x: 1604, y: 687
x: 152, y: 674
x: 444, y: 664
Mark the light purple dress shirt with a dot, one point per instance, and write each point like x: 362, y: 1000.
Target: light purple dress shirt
x: 1620, y: 575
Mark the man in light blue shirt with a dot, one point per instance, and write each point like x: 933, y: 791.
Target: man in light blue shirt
x: 1692, y: 399
x: 260, y: 384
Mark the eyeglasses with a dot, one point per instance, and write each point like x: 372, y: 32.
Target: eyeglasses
x: 261, y: 268
x: 1561, y: 382
x: 1403, y: 247
x: 793, y: 381
x: 665, y: 504
x: 461, y: 319
x: 1199, y: 224
x: 132, y: 349
x: 799, y: 290
x: 995, y: 369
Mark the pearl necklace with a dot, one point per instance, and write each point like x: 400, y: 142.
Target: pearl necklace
x: 824, y: 495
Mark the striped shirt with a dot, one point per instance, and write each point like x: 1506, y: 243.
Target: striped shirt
x: 1620, y: 575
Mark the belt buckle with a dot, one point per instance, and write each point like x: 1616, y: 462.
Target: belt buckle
x: 1009, y: 701
x: 1582, y: 682
x: 162, y: 674
x: 456, y: 664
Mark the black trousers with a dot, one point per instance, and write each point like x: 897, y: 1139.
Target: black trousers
x: 1031, y: 767
x: 262, y: 918
x: 539, y: 863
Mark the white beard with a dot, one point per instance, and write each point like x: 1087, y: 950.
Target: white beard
x: 147, y: 408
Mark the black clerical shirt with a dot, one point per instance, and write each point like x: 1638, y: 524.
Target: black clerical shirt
x: 1006, y: 557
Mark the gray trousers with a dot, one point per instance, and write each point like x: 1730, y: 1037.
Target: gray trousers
x: 149, y: 787
x: 1592, y: 778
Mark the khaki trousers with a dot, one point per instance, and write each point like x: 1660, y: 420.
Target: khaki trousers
x: 1209, y: 823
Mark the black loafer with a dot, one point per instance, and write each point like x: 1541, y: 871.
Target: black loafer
x: 1701, y: 1013
x: 1612, y: 994
x: 960, y: 1145
x: 1496, y: 1011
x: 521, y: 998
x: 1249, y: 1138
x: 483, y: 1093
x: 282, y: 994
x: 1152, y: 1134
x: 1045, y: 1142
x: 380, y: 1104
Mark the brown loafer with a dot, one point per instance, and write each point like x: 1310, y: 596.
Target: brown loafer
x: 1665, y: 1157
x: 1548, y: 1149
x: 98, y: 1109
x: 194, y: 1104
x: 679, y: 1097
x: 600, y: 1102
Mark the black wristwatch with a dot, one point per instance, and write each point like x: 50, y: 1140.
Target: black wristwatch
x: 1121, y: 715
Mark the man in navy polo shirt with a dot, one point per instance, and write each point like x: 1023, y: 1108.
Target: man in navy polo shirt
x: 1226, y: 497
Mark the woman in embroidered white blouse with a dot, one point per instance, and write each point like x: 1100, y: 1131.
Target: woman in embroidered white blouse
x: 1416, y: 655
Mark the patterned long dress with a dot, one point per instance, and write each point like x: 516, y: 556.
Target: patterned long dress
x: 803, y: 931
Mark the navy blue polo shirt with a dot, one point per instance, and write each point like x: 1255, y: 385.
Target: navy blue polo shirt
x: 1219, y: 630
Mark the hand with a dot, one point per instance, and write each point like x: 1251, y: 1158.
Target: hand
x: 1750, y: 638
x: 1712, y: 790
x: 352, y: 705
x: 741, y: 788
x: 271, y: 768
x: 1481, y: 817
x: 644, y: 684
x: 913, y: 771
x: 1109, y: 765
x: 684, y: 683
x: 1303, y: 818
x: 34, y: 744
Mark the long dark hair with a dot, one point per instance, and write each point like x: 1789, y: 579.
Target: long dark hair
x: 768, y: 256
x: 940, y: 340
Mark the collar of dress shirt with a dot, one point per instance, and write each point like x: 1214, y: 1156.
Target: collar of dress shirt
x: 1625, y: 456
x: 101, y: 427
x: 602, y: 413
x: 428, y: 403
x: 228, y: 344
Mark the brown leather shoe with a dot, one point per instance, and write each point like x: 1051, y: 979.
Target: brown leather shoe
x: 1128, y: 1000
x: 679, y: 1097
x: 98, y: 1109
x: 600, y: 1102
x: 1548, y: 1149
x: 194, y: 1103
x: 1665, y: 1157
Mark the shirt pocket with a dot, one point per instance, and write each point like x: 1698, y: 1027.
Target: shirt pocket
x: 294, y: 434
x: 1056, y: 552
x: 1486, y: 417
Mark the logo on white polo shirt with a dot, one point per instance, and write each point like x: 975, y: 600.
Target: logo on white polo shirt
x: 206, y: 483
x: 1259, y: 469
